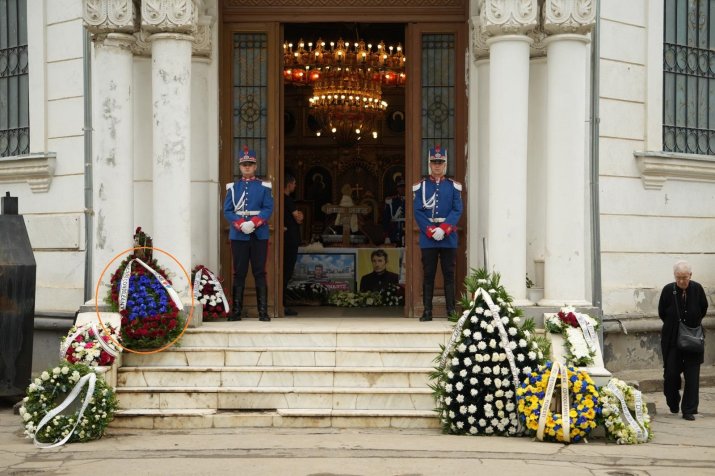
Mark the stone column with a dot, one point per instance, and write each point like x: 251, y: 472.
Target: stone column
x: 202, y: 190
x: 506, y: 22
x: 171, y: 25
x: 566, y: 150
x: 112, y: 23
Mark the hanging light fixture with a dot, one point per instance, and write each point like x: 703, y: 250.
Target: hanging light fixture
x: 347, y: 81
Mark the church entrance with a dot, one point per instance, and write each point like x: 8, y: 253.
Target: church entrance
x: 353, y: 132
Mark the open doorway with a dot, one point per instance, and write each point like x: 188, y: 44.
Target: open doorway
x: 348, y: 167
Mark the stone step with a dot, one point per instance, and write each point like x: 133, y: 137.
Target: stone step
x: 195, y: 418
x: 272, y: 398
x: 366, y: 377
x: 407, y: 357
x: 232, y: 338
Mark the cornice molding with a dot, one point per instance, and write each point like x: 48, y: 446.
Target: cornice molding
x: 101, y: 17
x: 568, y: 16
x: 657, y: 167
x: 35, y: 169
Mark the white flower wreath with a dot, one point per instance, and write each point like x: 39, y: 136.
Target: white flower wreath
x: 579, y: 332
x: 52, y: 392
x: 625, y: 414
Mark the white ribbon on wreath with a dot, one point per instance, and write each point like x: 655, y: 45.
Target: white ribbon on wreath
x: 107, y: 346
x: 211, y: 276
x: 124, y: 285
x: 89, y: 379
x: 589, y: 333
x: 638, y: 424
x: 556, y: 369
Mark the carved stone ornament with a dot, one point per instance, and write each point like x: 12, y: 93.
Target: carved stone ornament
x: 110, y: 16
x: 537, y: 48
x: 201, y: 45
x: 569, y: 16
x: 480, y: 49
x: 508, y: 17
x: 169, y: 16
x: 142, y: 44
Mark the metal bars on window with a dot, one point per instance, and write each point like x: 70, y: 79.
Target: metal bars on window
x: 250, y: 97
x: 14, y: 91
x: 438, y: 70
x: 689, y: 77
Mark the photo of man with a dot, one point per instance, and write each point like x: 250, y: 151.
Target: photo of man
x: 380, y: 277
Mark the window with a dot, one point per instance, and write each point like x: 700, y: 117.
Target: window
x: 14, y: 93
x: 689, y: 77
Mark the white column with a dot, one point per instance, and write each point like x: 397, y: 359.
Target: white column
x: 113, y: 164
x: 201, y: 185
x: 508, y: 112
x: 566, y: 159
x: 171, y: 99
x: 482, y: 156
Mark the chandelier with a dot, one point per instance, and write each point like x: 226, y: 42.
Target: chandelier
x: 347, y: 82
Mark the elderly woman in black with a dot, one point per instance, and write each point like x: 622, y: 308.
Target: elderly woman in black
x: 682, y: 300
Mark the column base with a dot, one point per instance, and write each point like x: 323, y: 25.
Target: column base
x: 523, y: 302
x: 564, y: 302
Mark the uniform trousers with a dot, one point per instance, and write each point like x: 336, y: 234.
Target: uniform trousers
x: 674, y: 366
x: 255, y: 251
x: 447, y: 258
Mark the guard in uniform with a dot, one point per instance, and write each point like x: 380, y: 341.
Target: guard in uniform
x: 393, y: 216
x: 437, y: 204
x: 248, y: 207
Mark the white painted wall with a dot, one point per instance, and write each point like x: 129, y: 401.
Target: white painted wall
x: 643, y: 232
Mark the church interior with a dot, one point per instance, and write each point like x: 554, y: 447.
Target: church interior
x: 348, y: 157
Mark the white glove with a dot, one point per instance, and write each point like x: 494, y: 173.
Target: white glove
x: 438, y: 234
x: 247, y: 227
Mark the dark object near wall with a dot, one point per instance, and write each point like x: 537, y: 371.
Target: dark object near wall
x: 17, y: 301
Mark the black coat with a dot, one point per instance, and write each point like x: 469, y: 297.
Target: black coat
x: 692, y: 311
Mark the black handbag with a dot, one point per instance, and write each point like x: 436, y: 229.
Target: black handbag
x: 690, y: 339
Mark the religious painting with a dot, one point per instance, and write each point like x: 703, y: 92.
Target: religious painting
x: 377, y: 267
x: 334, y: 271
x: 318, y: 187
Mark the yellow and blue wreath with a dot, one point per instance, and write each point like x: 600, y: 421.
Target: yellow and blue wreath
x: 583, y: 411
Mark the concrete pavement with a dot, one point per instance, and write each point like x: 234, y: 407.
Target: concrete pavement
x: 679, y: 445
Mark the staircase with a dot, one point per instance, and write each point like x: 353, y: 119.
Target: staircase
x: 308, y: 372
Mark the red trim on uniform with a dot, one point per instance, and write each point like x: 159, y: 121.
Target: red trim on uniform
x: 447, y: 228
x: 237, y: 224
x: 257, y: 221
x: 430, y: 231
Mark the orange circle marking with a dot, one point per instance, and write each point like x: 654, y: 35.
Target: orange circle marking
x: 96, y: 304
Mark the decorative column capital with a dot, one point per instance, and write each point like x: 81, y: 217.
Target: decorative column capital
x: 102, y: 17
x: 569, y: 16
x: 170, y: 16
x: 479, y: 37
x: 508, y: 17
x: 201, y: 45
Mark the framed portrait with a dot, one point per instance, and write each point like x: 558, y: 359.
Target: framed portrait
x: 335, y: 271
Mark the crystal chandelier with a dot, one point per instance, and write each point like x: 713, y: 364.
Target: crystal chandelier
x: 347, y: 81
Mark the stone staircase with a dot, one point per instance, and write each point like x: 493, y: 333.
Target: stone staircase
x: 308, y: 372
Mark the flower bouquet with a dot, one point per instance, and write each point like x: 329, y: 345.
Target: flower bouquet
x: 481, y: 367
x: 579, y: 332
x: 568, y: 419
x: 624, y: 414
x: 350, y: 299
x: 392, y: 295
x: 209, y: 292
x: 45, y: 417
x: 142, y: 294
x: 307, y: 293
x: 90, y: 345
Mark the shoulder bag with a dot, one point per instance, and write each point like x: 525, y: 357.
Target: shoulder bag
x: 690, y: 339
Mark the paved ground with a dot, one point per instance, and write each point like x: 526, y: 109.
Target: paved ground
x: 679, y: 445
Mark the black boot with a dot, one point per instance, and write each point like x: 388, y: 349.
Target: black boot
x: 449, y: 299
x: 237, y: 303
x: 262, y: 298
x: 427, y: 292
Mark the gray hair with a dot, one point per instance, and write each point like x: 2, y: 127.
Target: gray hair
x: 682, y: 265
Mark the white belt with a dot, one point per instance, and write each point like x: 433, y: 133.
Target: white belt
x: 437, y: 220
x: 248, y: 213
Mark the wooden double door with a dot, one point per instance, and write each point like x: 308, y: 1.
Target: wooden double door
x: 251, y: 108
